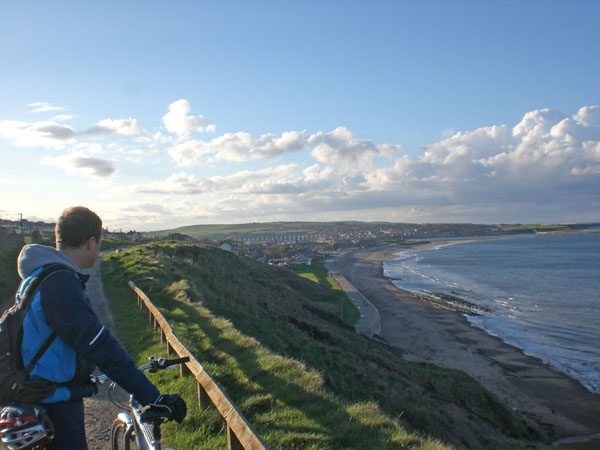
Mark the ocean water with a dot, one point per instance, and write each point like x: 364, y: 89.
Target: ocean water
x: 541, y: 292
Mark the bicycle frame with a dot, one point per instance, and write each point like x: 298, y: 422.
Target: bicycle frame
x: 147, y: 436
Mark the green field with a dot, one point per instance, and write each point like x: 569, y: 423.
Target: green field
x: 267, y: 228
x: 281, y: 228
x: 318, y: 274
x: 300, y: 375
x: 400, y: 242
x: 533, y: 227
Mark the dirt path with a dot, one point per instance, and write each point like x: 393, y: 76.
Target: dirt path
x: 99, y: 411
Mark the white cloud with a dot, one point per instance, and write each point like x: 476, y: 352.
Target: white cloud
x: 589, y: 116
x: 54, y: 134
x: 142, y: 151
x: 45, y: 134
x: 340, y: 147
x: 189, y: 153
x: 89, y: 148
x: 241, y: 147
x: 537, y: 123
x: 179, y: 122
x: 548, y: 162
x: 143, y: 139
x: 152, y: 208
x: 81, y: 164
x: 545, y: 157
x: 237, y: 147
x: 447, y: 132
x: 121, y: 127
x: 179, y: 183
x: 246, y: 182
x: 160, y: 138
x: 43, y: 107
x: 62, y: 117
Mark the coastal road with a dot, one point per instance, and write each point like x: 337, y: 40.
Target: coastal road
x: 368, y: 323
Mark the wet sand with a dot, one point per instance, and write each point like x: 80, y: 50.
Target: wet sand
x: 552, y: 402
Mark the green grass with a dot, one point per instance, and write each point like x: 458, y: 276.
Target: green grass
x: 531, y: 227
x: 207, y: 231
x: 317, y: 273
x: 9, y: 277
x: 111, y: 243
x: 300, y: 375
x: 398, y: 242
x: 272, y: 228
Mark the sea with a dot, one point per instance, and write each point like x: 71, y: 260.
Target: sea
x: 540, y: 293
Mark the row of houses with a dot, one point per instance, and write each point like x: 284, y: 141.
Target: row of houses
x: 25, y: 227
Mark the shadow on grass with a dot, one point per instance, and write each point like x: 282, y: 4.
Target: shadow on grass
x: 334, y: 425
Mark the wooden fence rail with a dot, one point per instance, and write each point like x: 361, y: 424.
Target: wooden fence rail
x: 240, y: 434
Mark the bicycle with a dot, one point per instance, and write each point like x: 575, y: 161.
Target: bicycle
x: 141, y: 428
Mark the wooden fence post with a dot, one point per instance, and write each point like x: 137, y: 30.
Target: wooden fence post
x: 184, y: 371
x: 221, y: 402
x: 233, y: 442
x: 203, y: 398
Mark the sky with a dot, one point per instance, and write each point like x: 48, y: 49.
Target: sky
x: 162, y: 114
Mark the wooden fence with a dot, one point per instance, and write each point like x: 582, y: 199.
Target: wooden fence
x: 240, y: 434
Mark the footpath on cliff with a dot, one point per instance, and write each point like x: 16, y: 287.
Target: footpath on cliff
x: 99, y: 411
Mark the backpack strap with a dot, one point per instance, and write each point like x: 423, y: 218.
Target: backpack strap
x: 27, y: 297
x: 36, y: 283
x: 29, y: 367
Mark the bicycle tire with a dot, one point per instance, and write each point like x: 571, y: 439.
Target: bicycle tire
x: 121, y: 438
x: 117, y: 435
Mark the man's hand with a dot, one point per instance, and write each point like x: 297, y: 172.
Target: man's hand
x: 173, y: 403
x: 84, y: 390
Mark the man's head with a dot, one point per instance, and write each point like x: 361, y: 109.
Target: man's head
x: 76, y: 226
x: 78, y: 232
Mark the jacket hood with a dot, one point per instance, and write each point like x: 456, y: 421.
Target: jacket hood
x: 34, y: 256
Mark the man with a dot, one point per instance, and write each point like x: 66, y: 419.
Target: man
x: 82, y: 343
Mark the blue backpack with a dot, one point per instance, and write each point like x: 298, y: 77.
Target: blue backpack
x: 15, y: 385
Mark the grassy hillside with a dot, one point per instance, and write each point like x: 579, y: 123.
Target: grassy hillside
x: 301, y: 376
x: 9, y: 277
x: 533, y: 227
x: 336, y: 297
x: 229, y: 230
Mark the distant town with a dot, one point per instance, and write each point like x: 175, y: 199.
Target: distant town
x: 288, y: 242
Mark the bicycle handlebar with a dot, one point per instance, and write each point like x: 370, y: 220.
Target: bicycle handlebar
x: 154, y: 365
x: 165, y: 363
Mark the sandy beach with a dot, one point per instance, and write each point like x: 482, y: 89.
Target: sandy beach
x: 550, y: 401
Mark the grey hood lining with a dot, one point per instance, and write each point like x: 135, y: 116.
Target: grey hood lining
x: 35, y: 256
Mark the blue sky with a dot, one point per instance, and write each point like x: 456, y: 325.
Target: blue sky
x: 159, y: 114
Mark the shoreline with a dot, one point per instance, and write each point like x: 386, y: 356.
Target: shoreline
x: 557, y: 405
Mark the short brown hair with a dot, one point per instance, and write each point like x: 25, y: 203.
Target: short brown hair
x: 76, y: 226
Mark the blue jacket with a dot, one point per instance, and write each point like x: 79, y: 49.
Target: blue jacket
x: 82, y: 342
